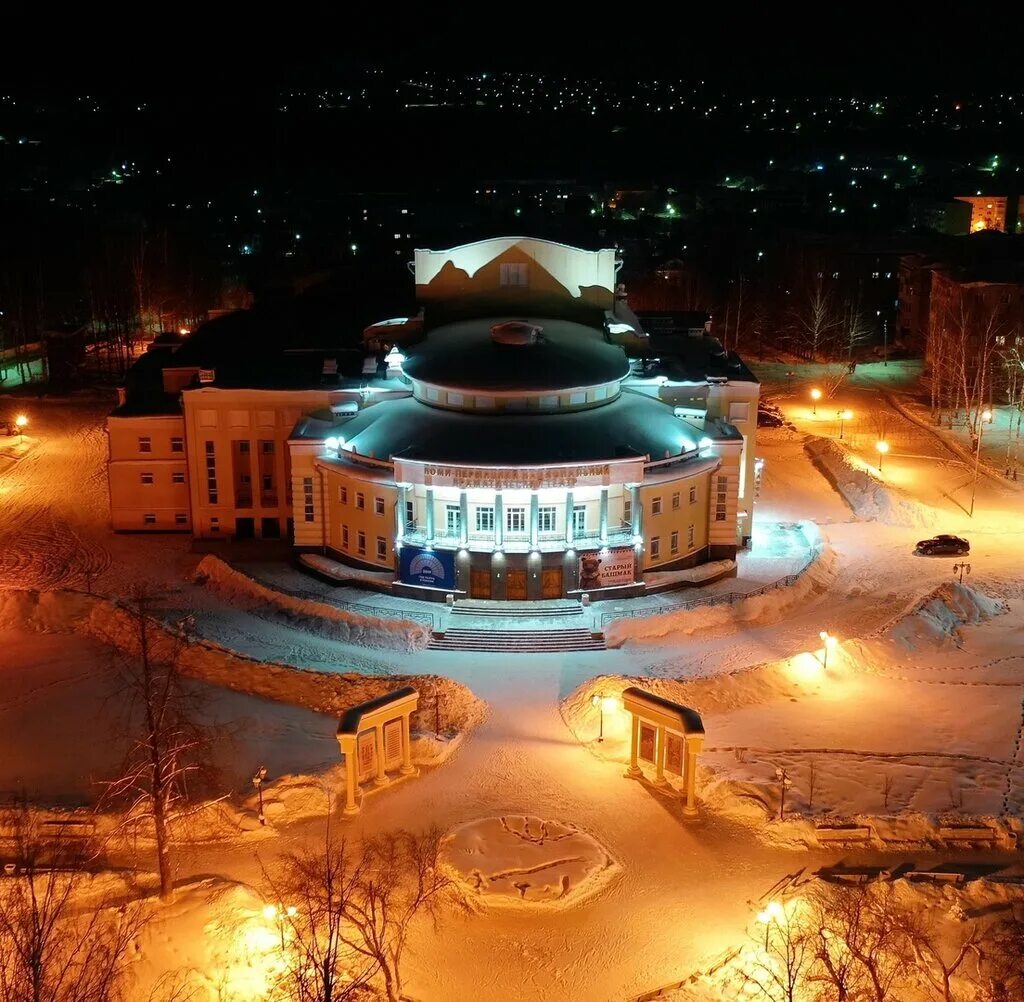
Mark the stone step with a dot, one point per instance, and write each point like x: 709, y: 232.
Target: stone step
x: 522, y: 641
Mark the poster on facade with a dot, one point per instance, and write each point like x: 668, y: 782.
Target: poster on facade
x: 427, y: 568
x: 607, y: 568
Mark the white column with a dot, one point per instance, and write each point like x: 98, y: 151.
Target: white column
x: 570, y: 535
x: 407, y: 766
x: 403, y: 498
x: 499, y: 520
x: 634, y: 767
x: 659, y: 759
x: 690, y: 768
x: 634, y: 493
x: 378, y: 741
x: 604, y: 514
x: 534, y: 519
x: 430, y: 514
x: 350, y: 754
x: 463, y: 517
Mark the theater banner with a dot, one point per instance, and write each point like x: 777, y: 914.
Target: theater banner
x: 427, y: 568
x: 607, y: 569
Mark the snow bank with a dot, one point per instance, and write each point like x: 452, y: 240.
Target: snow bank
x: 937, y: 619
x: 867, y: 497
x: 763, y: 607
x: 308, y: 615
x: 324, y: 692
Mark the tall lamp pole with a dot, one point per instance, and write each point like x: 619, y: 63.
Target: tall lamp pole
x: 257, y: 781
x: 986, y: 418
x: 843, y: 416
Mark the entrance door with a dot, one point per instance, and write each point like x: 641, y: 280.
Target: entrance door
x: 551, y: 582
x: 515, y: 586
x: 245, y: 528
x: 479, y: 584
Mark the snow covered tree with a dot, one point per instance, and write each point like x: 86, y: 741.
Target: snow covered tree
x: 168, y: 746
x: 349, y: 908
x: 56, y: 945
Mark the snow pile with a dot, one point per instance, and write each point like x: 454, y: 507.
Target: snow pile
x: 324, y: 692
x: 868, y: 497
x: 762, y: 608
x: 528, y: 861
x: 938, y: 618
x: 306, y: 614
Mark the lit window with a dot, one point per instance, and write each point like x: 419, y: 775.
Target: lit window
x: 546, y: 517
x: 452, y: 519
x: 515, y: 519
x: 307, y: 499
x: 484, y: 516
x: 410, y: 515
x: 579, y: 519
x: 721, y: 498
x: 627, y: 511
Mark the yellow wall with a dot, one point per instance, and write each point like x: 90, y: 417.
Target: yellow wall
x: 346, y: 513
x: 131, y: 499
x: 663, y: 525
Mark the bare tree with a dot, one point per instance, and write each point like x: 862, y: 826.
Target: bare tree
x: 815, y: 322
x: 168, y: 746
x: 54, y: 946
x: 943, y: 951
x: 781, y: 963
x: 349, y: 909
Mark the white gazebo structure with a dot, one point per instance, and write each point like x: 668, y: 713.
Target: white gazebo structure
x: 666, y: 735
x: 374, y: 738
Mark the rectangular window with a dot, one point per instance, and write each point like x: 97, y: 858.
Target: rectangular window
x: 181, y: 519
x: 627, y: 511
x: 177, y: 445
x: 675, y: 501
x: 145, y: 443
x: 146, y: 478
x: 674, y: 541
x: 211, y: 473
x: 307, y: 499
x: 361, y: 542
x: 343, y: 495
x: 575, y: 399
x: 579, y: 519
x: 721, y: 498
x: 243, y: 447
x: 456, y: 399
x: 344, y: 537
x: 215, y: 524
x: 546, y: 518
x: 378, y: 506
x: 512, y: 275
x: 655, y: 547
x: 548, y: 402
x: 693, y: 495
x: 689, y: 537
x: 484, y: 518
x: 382, y: 548
x: 452, y: 520
x: 515, y: 519
x: 268, y: 482
x: 410, y: 515
x: 360, y: 500
x: 178, y: 477
x: 655, y: 506
x: 149, y: 519
x: 267, y: 448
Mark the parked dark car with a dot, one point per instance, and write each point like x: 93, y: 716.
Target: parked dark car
x: 944, y: 545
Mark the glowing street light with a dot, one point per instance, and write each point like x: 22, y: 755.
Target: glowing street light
x: 984, y: 418
x: 843, y: 416
x: 772, y: 912
x: 881, y: 447
x: 20, y: 421
x: 830, y: 644
x: 603, y: 702
x: 815, y: 396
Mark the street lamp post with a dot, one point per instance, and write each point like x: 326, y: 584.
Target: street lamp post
x: 986, y: 418
x: 830, y: 642
x: 843, y: 416
x: 789, y: 380
x: 257, y: 781
x: 882, y: 447
x: 961, y: 569
x: 784, y: 784
x: 598, y: 700
x: 815, y: 397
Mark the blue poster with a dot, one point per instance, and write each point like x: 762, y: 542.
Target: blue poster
x: 427, y: 568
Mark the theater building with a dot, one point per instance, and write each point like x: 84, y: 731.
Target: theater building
x: 522, y: 437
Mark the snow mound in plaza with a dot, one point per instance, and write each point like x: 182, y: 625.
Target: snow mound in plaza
x: 938, y: 618
x: 525, y: 860
x: 869, y: 498
x: 767, y: 607
x: 309, y: 615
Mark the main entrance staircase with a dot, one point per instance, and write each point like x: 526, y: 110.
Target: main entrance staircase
x: 518, y: 627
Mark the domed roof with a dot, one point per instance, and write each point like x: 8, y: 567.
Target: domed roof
x: 515, y: 353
